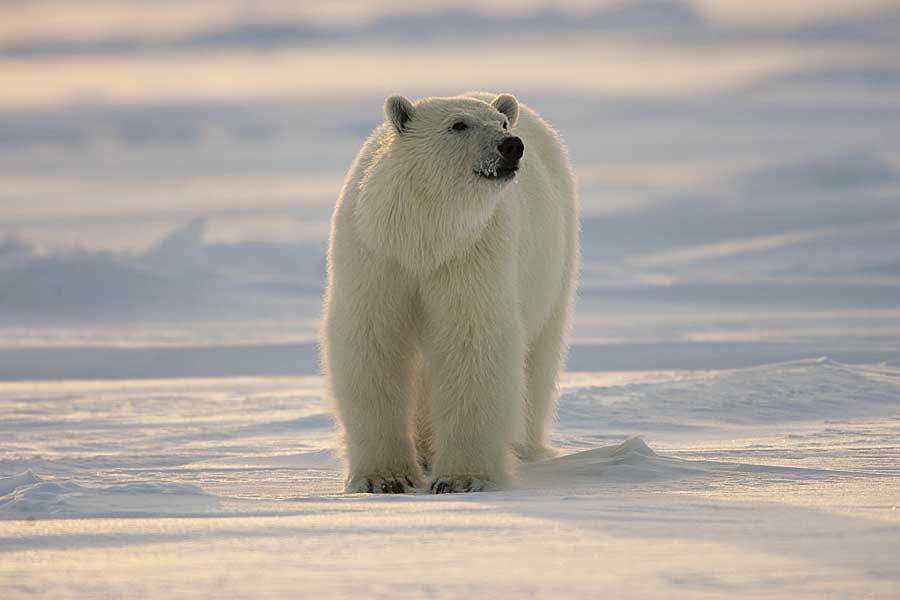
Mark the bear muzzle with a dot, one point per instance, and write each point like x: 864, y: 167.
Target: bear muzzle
x: 511, y: 150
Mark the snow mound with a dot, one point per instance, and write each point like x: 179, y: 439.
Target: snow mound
x: 27, y: 495
x: 634, y: 462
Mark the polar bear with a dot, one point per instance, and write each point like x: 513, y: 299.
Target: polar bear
x: 451, y: 273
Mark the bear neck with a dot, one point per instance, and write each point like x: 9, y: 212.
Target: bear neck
x: 398, y: 215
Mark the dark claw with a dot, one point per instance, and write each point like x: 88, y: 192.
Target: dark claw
x: 396, y: 484
x: 442, y: 487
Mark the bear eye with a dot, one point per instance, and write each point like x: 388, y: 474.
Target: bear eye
x: 459, y: 126
x: 505, y: 125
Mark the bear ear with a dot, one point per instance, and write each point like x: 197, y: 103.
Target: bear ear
x: 509, y: 106
x: 398, y: 111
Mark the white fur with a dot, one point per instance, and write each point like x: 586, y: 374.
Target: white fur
x: 449, y: 295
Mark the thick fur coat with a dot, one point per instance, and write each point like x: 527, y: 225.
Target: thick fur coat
x: 450, y: 288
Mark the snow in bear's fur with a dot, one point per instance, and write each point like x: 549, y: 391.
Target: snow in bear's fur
x: 449, y: 295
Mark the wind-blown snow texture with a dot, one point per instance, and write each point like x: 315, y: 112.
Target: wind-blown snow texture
x: 774, y: 481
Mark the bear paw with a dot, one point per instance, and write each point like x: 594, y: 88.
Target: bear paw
x: 451, y: 485
x: 378, y: 484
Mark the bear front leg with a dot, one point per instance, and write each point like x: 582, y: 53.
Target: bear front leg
x: 367, y: 357
x: 475, y: 355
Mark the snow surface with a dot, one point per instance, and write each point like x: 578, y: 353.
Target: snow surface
x: 774, y: 481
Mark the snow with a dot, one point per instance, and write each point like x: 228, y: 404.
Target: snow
x: 773, y: 481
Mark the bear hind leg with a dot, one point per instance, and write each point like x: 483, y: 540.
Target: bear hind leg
x: 543, y: 363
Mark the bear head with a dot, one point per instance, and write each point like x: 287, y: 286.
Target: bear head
x: 468, y: 138
x: 437, y: 172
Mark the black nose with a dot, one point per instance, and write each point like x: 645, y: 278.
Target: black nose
x: 511, y: 148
